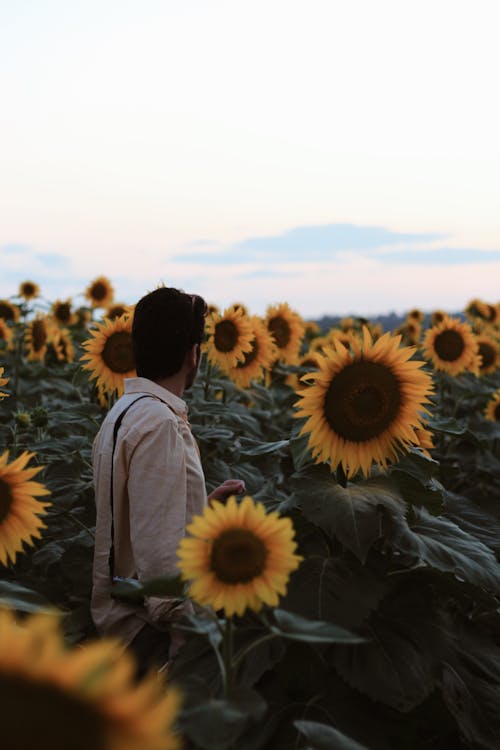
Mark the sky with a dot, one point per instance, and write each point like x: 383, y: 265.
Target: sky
x: 341, y: 156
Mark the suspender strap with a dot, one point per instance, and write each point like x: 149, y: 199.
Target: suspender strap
x: 118, y: 422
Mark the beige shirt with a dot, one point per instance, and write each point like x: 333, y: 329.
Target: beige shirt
x: 158, y: 487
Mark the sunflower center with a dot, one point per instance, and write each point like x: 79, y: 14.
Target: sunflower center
x: 99, y: 291
x: 38, y: 335
x: 34, y: 712
x: 117, y: 352
x: 6, y: 311
x: 487, y: 352
x: 496, y: 414
x: 225, y: 336
x: 28, y: 289
x: 362, y: 401
x: 63, y: 312
x: 5, y: 499
x: 249, y: 356
x: 280, y: 329
x: 449, y: 345
x: 238, y: 556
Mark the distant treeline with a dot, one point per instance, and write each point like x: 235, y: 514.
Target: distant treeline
x: 388, y: 322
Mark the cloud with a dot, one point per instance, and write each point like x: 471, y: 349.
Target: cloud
x: 311, y: 243
x: 263, y: 273
x: 14, y: 249
x: 440, y: 256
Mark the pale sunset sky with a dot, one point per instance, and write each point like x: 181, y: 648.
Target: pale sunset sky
x: 343, y: 156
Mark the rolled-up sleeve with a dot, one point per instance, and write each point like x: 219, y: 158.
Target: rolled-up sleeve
x: 157, y: 506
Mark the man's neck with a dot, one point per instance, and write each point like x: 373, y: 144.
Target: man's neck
x: 174, y: 383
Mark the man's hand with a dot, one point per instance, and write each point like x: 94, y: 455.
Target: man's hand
x: 228, y: 488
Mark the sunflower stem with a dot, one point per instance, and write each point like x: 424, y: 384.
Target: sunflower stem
x: 227, y: 656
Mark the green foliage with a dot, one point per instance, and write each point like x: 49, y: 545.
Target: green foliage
x: 389, y: 634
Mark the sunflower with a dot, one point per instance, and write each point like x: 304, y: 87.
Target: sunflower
x: 451, y: 346
x: 410, y: 331
x: 82, y: 697
x: 376, y: 330
x: 483, y: 310
x: 100, y: 293
x: 492, y: 410
x: 229, y: 338
x: 437, y: 317
x: 3, y: 381
x: 29, y: 290
x: 320, y: 342
x: 240, y: 306
x: 364, y: 405
x: 311, y: 329
x: 109, y: 353
x: 212, y: 309
x: 6, y: 335
x: 258, y: 359
x: 63, y: 345
x: 8, y: 311
x: 287, y: 328
x: 309, y: 362
x: 62, y: 313
x: 346, y: 338
x: 415, y: 315
x: 117, y: 309
x: 488, y: 351
x: 36, y: 337
x: 346, y: 324
x: 19, y: 510
x: 238, y: 556
x: 476, y: 308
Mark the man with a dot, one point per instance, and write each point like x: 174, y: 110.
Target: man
x: 148, y: 477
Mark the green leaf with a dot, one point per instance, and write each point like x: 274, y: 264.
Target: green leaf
x: 323, y: 737
x: 21, y: 599
x: 301, y: 454
x: 440, y: 543
x: 447, y: 425
x: 473, y: 519
x: 351, y: 514
x: 337, y: 590
x: 216, y: 724
x: 398, y: 663
x: 131, y: 590
x: 298, y: 628
x: 250, y: 447
x: 470, y: 685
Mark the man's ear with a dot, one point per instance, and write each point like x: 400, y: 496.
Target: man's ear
x: 193, y: 355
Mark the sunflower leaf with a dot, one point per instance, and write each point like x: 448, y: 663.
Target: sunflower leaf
x: 440, y: 543
x: 298, y: 628
x: 249, y: 447
x: 351, y: 514
x: 21, y: 599
x: 216, y: 724
x: 324, y: 737
x: 131, y: 590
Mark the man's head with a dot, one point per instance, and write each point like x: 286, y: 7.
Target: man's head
x: 167, y: 324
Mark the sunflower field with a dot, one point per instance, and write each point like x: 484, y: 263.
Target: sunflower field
x: 350, y: 600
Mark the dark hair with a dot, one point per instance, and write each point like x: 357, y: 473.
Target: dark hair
x: 167, y: 322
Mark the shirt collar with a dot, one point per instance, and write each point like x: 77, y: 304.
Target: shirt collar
x: 144, y: 385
